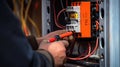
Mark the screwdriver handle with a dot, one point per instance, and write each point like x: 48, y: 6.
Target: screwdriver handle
x: 57, y: 37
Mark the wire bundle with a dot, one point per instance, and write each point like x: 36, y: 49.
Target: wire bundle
x: 24, y: 17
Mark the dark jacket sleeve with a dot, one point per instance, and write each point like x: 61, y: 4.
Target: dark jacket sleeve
x: 15, y: 51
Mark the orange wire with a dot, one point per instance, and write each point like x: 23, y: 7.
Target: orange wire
x: 97, y: 25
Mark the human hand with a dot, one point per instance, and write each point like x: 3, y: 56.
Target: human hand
x: 57, y: 49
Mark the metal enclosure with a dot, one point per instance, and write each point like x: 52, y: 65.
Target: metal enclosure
x: 46, y: 20
x: 110, y: 36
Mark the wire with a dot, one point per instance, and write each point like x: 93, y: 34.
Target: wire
x: 81, y: 58
x: 58, y: 15
x: 56, y: 21
x: 27, y: 9
x: 89, y: 53
x: 24, y: 25
x: 95, y: 46
x: 97, y: 25
x: 62, y: 6
x: 35, y: 26
x: 23, y: 18
x: 16, y: 7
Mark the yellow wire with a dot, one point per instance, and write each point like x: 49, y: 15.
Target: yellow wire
x: 24, y: 25
x: 27, y: 9
x: 35, y: 26
x: 31, y: 21
x: 24, y: 18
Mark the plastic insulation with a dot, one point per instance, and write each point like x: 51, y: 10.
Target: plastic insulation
x: 58, y: 15
x: 89, y: 54
x: 24, y: 25
x: 62, y: 6
x: 56, y: 21
x: 35, y: 26
x: 61, y: 36
x: 97, y: 25
x: 95, y: 46
x: 81, y: 58
x: 27, y: 9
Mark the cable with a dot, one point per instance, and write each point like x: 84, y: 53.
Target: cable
x: 97, y: 25
x: 89, y: 53
x: 35, y: 26
x: 58, y: 15
x: 62, y: 6
x: 95, y: 46
x: 23, y: 18
x: 81, y: 58
x: 56, y: 21
x: 27, y: 9
x: 24, y: 25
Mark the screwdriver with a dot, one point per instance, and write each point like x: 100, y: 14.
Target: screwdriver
x: 58, y: 37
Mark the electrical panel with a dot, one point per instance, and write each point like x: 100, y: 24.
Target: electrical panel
x: 82, y: 18
x: 93, y: 23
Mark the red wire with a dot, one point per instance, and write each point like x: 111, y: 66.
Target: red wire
x: 95, y: 46
x: 56, y: 21
x: 58, y: 15
x: 80, y: 58
x: 89, y: 54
